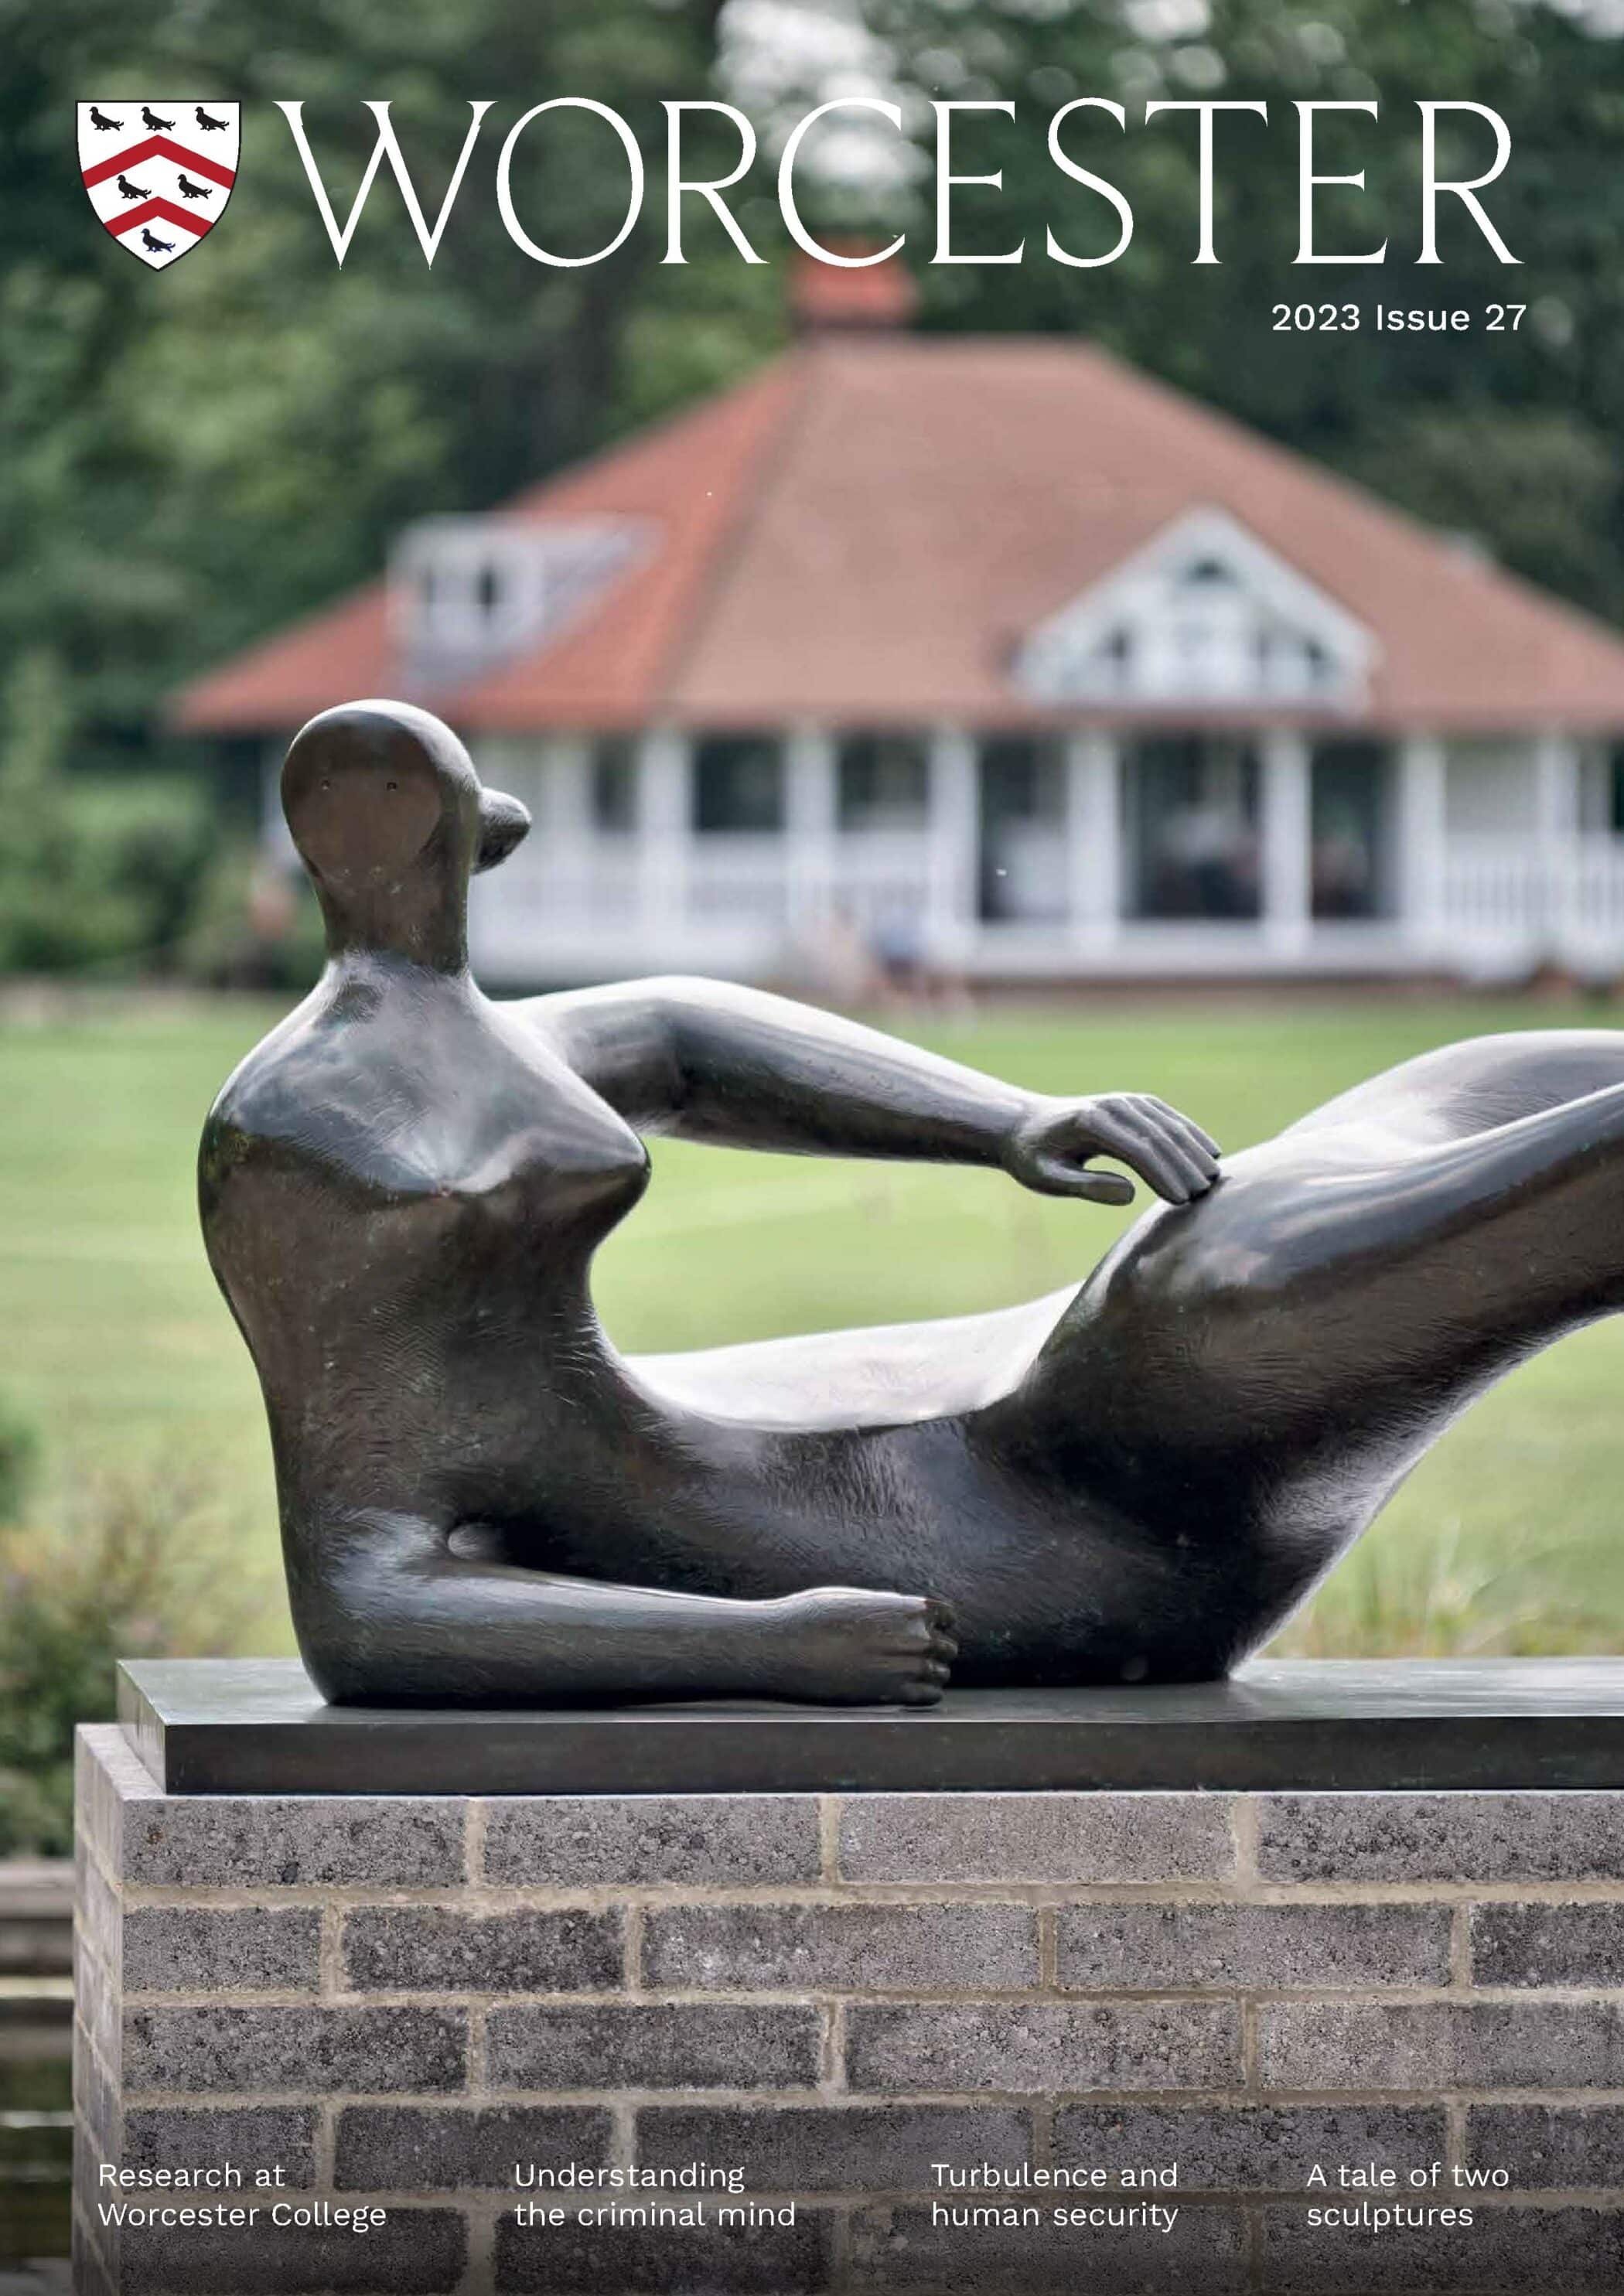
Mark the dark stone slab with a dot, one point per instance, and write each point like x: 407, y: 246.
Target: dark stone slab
x: 257, y: 1726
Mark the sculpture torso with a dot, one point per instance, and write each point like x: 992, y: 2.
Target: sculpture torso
x: 403, y: 1189
x: 435, y: 1179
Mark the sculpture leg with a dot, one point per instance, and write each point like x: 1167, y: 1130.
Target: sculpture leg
x: 1337, y: 1299
x: 1243, y: 1382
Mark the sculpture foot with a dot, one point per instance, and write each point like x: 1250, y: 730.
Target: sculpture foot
x: 847, y: 1646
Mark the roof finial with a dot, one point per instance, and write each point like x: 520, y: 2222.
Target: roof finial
x: 829, y: 299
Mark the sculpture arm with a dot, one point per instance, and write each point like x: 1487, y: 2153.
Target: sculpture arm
x: 391, y: 1615
x: 707, y: 1059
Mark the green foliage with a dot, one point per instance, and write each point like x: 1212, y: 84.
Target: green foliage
x: 19, y: 1459
x: 92, y: 870
x: 187, y: 462
x: 1449, y: 1596
x: 129, y: 1573
x: 1541, y: 485
x: 252, y: 926
x: 192, y: 459
x: 1516, y: 435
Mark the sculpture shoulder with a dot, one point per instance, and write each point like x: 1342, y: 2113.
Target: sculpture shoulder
x: 313, y: 1096
x: 453, y: 1100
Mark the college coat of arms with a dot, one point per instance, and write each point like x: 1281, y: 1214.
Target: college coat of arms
x: 159, y: 175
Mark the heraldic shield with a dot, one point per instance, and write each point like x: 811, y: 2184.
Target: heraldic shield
x: 159, y: 175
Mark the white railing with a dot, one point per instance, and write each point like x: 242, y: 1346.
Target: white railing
x: 878, y: 875
x: 737, y: 898
x: 1598, y: 891
x: 601, y: 887
x: 1537, y: 898
x: 1495, y: 890
x: 748, y: 902
x: 731, y: 880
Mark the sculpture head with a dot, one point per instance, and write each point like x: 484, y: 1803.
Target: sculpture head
x: 390, y: 819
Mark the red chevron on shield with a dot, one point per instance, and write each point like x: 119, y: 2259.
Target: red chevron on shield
x: 159, y: 174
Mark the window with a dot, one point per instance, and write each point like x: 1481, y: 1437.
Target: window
x: 1352, y: 819
x: 738, y: 785
x: 1614, y: 785
x: 1204, y: 612
x: 614, y: 789
x: 884, y: 781
x: 1023, y: 846
x: 1192, y: 810
x: 473, y: 588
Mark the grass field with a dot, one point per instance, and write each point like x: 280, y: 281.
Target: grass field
x: 114, y: 1340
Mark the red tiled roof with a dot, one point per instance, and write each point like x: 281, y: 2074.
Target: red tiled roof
x: 866, y: 295
x: 864, y: 532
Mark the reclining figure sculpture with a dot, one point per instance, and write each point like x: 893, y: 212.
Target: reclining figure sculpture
x: 1133, y: 1481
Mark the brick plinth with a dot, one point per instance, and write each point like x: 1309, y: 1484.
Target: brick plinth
x: 391, y: 2002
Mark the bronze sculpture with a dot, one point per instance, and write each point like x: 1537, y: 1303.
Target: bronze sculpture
x: 1136, y: 1481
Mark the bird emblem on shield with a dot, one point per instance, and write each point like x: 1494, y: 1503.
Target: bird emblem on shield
x: 159, y: 174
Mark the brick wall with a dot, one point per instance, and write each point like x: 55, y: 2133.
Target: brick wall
x: 398, y: 1999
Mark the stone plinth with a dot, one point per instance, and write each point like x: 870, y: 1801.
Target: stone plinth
x: 259, y: 1726
x: 393, y: 2000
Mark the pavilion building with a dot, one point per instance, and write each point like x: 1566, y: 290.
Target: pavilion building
x: 1000, y: 650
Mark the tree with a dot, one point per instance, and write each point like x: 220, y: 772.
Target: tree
x: 1470, y: 429
x: 186, y: 459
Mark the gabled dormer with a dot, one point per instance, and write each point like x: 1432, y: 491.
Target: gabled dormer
x: 464, y: 593
x: 1204, y: 612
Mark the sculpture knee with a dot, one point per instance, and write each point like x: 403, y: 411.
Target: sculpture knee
x: 356, y: 1591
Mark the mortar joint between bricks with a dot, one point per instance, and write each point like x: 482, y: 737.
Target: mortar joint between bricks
x: 480, y: 2273
x: 1460, y: 1946
x: 632, y: 1935
x: 840, y: 2247
x: 831, y: 2056
x: 829, y: 1836
x: 1250, y: 2077
x: 1243, y: 1829
x: 477, y: 2058
x: 1254, y: 2220
x: 622, y: 2136
x: 474, y: 1826
x: 323, y: 2165
x: 330, y: 1954
x: 1048, y: 1949
x: 1455, y: 2133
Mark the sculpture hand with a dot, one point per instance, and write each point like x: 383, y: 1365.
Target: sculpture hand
x: 1049, y: 1149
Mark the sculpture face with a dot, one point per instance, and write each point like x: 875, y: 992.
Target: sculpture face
x: 390, y: 819
x: 362, y: 802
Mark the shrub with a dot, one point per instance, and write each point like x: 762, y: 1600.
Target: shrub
x: 19, y: 1457
x: 102, y: 871
x: 94, y: 870
x: 252, y: 926
x: 130, y: 1571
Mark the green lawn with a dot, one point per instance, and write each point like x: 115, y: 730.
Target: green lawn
x: 115, y: 1341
